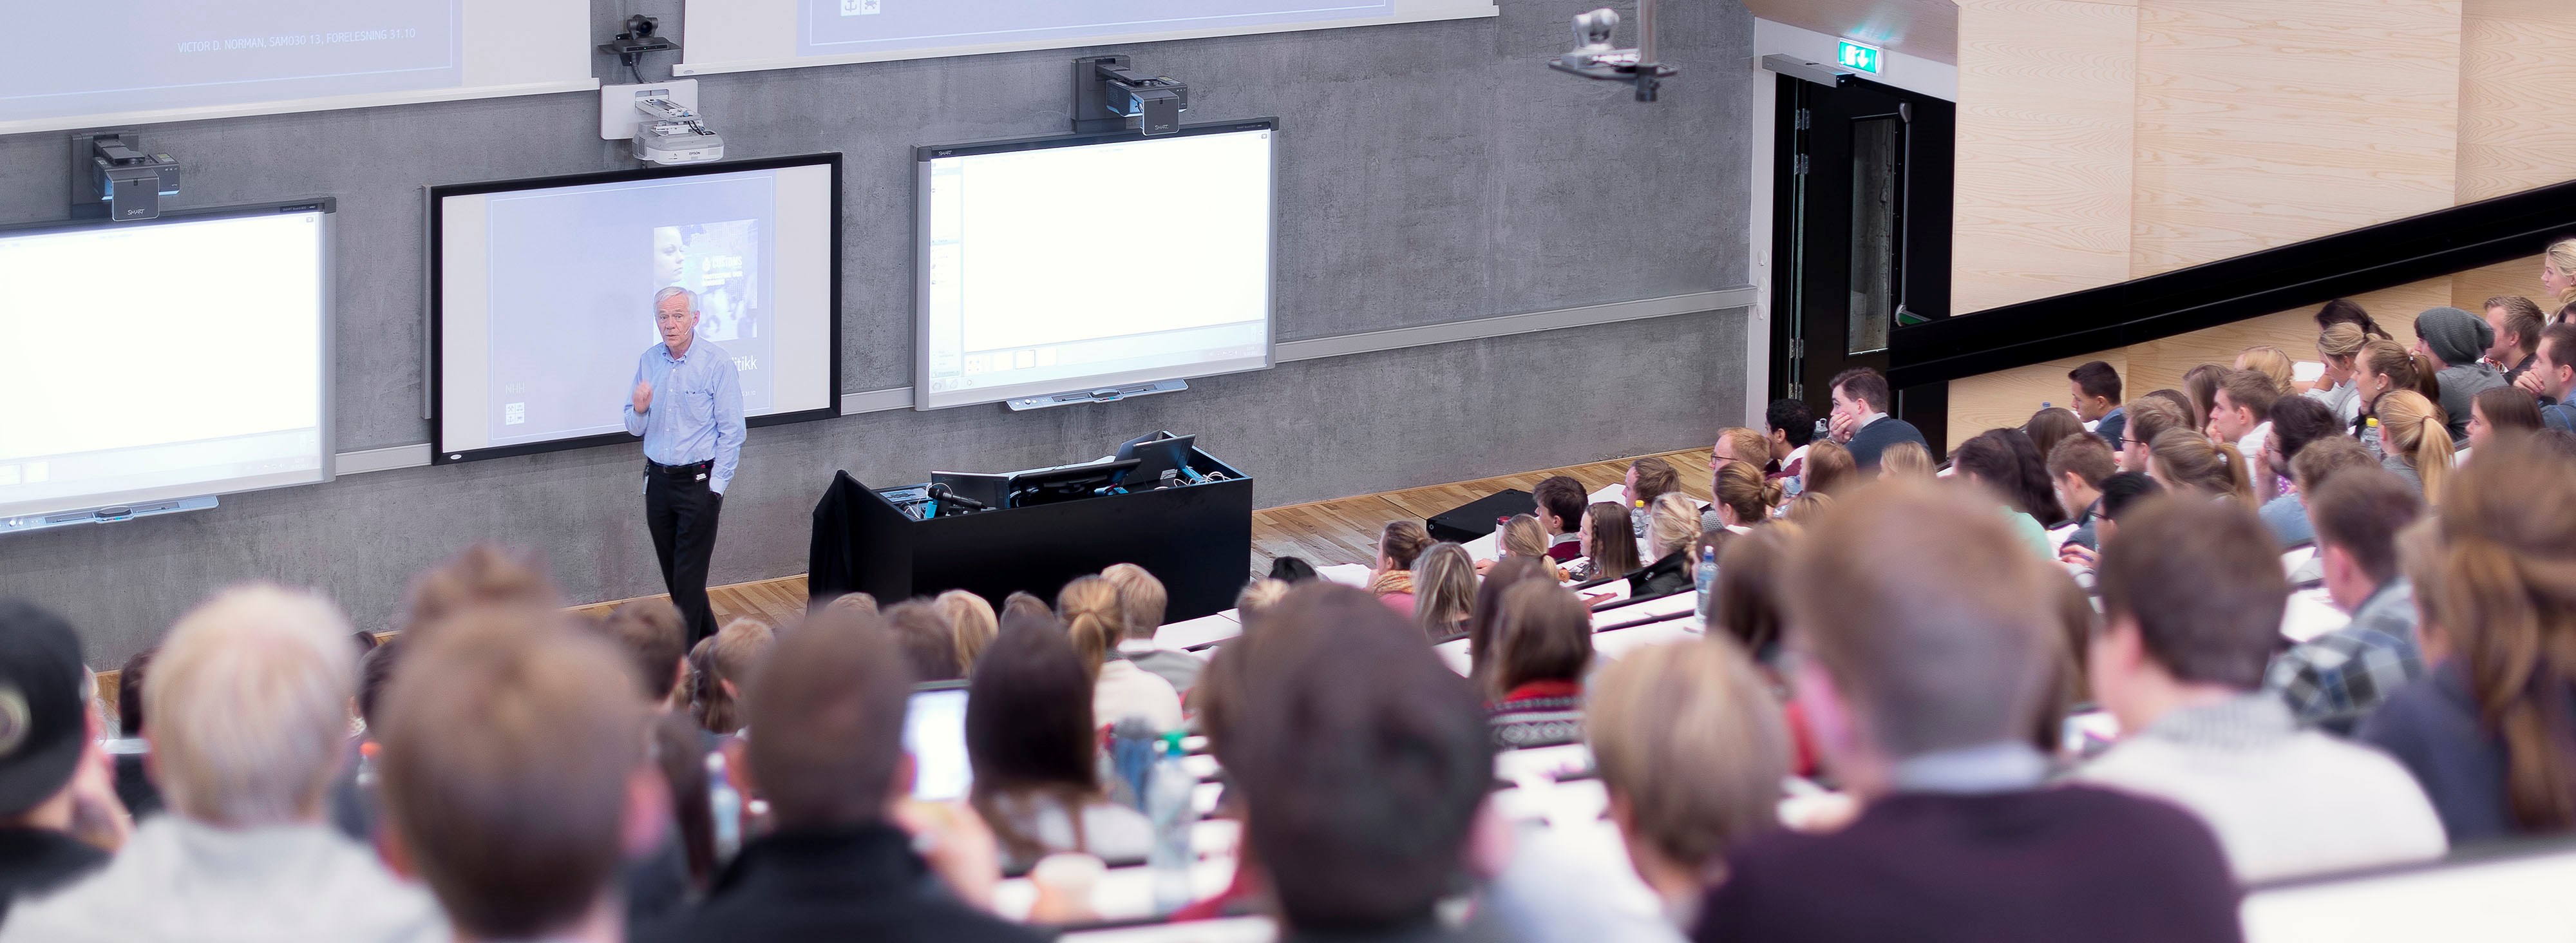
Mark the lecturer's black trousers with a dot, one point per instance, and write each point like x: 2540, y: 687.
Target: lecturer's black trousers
x: 682, y: 512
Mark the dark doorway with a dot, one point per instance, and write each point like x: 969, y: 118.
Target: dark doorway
x: 1860, y: 233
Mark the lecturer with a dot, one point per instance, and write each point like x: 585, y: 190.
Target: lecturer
x: 687, y: 404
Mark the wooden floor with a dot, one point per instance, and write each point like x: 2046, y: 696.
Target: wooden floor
x: 1342, y: 530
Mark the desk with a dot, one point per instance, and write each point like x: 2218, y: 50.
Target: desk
x: 1197, y: 539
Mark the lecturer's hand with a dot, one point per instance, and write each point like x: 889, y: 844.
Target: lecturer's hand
x: 644, y: 396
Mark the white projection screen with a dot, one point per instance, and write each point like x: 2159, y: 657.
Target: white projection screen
x: 541, y: 296
x: 95, y: 63
x: 175, y: 358
x: 1076, y: 262
x: 741, y: 35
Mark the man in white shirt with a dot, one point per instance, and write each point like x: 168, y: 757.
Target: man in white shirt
x: 2192, y: 602
x: 2241, y: 414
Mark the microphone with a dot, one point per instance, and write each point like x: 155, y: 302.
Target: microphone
x: 941, y: 492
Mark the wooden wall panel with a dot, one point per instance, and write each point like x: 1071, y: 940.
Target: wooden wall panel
x: 2046, y: 95
x: 2471, y: 289
x: 2517, y: 97
x: 2007, y: 398
x: 2266, y: 122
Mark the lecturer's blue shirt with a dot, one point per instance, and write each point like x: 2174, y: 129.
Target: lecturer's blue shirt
x: 696, y: 411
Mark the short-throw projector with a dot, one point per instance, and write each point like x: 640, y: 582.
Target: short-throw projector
x: 671, y: 134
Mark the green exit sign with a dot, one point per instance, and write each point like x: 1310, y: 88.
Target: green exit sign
x: 1859, y: 58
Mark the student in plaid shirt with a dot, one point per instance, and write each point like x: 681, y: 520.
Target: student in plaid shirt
x: 2335, y: 679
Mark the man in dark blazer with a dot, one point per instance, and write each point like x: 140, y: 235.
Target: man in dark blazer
x: 1860, y: 420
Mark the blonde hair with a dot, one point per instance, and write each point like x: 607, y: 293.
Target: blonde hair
x: 852, y: 602
x: 2269, y: 361
x: 2185, y: 458
x: 2562, y: 255
x: 1088, y: 607
x: 971, y: 621
x: 1904, y: 460
x: 1750, y: 446
x: 1141, y: 598
x: 1671, y: 524
x: 1444, y: 588
x: 1691, y: 737
x: 739, y: 647
x: 2341, y: 340
x: 2414, y: 429
x: 1522, y: 537
x: 1742, y: 489
x: 248, y: 704
x: 1257, y: 597
x: 1807, y: 507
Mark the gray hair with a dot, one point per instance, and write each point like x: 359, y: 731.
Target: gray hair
x: 672, y: 292
x: 248, y: 704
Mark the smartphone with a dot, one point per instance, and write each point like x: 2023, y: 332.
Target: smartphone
x: 934, y: 732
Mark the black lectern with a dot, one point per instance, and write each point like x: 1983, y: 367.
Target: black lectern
x: 1196, y: 538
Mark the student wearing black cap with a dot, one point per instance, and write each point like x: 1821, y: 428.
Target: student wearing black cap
x: 51, y: 773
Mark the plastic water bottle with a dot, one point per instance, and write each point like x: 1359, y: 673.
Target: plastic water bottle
x: 1167, y: 803
x: 1706, y: 579
x: 726, y: 803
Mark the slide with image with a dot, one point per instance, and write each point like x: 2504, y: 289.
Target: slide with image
x: 573, y: 274
x: 113, y: 56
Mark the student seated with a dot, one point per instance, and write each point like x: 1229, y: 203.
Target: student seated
x: 2339, y: 348
x: 2336, y: 679
x: 2297, y: 422
x: 248, y: 703
x: 2076, y: 468
x: 1906, y: 460
x: 2241, y: 410
x: 1142, y: 601
x: 2120, y: 492
x: 515, y: 776
x: 973, y: 620
x: 2517, y: 323
x: 1744, y: 498
x: 2192, y: 597
x: 2050, y: 426
x: 1444, y: 587
x: 2186, y: 461
x: 2150, y: 417
x: 1861, y: 421
x: 1608, y: 548
x: 2004, y: 465
x: 1524, y: 537
x: 1392, y: 576
x: 1692, y: 750
x: 1362, y: 761
x: 2458, y: 343
x: 1560, y: 513
x: 1921, y: 634
x: 928, y: 642
x: 2485, y: 732
x: 2502, y: 409
x: 1485, y: 617
x: 1830, y: 468
x: 1648, y: 478
x: 1793, y: 428
x: 2413, y: 442
x: 2095, y: 391
x: 1034, y: 750
x: 719, y: 673
x: 53, y: 776
x: 1740, y: 444
x: 1672, y: 529
x: 1541, y: 648
x: 1088, y: 607
x: 842, y: 860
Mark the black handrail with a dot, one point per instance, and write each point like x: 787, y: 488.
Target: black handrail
x: 2299, y: 275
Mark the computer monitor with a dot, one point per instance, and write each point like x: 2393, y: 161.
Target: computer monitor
x: 934, y: 732
x: 1070, y: 483
x: 1154, y: 456
x: 992, y: 491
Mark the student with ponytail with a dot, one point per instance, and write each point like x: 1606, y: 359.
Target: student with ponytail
x: 1092, y: 619
x: 1744, y: 498
x: 2488, y: 733
x: 2413, y: 442
x: 2187, y: 459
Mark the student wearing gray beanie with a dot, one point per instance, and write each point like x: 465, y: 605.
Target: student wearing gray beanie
x: 2457, y: 340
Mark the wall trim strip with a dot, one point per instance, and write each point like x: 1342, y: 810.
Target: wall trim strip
x: 1341, y: 345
